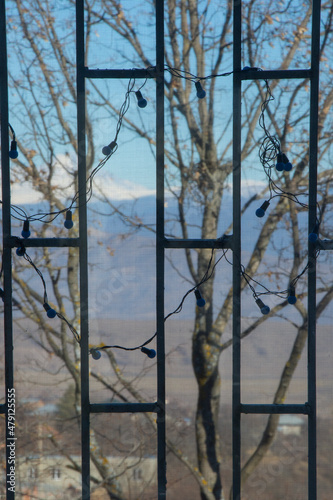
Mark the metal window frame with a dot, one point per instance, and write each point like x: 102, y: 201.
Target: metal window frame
x: 158, y: 407
x: 309, y: 407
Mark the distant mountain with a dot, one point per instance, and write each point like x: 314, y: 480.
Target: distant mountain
x: 122, y: 277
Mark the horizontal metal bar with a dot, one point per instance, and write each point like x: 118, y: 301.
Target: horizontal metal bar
x: 2, y: 409
x: 303, y: 409
x: 120, y: 73
x: 324, y: 244
x: 124, y: 407
x: 275, y: 74
x: 224, y: 242
x: 249, y: 74
x: 13, y: 242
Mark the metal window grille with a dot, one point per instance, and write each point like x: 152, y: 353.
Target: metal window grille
x: 308, y: 408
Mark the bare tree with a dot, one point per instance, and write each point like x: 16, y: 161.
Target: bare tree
x: 198, y: 152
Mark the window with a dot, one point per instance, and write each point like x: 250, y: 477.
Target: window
x: 33, y: 472
x: 137, y: 475
x: 120, y: 403
x: 55, y: 473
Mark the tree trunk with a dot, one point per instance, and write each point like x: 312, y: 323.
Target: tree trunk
x: 205, y: 358
x: 205, y: 344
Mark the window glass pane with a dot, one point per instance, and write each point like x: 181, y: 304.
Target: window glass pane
x: 283, y: 469
x: 123, y: 451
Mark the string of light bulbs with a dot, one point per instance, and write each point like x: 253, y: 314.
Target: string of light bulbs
x: 95, y: 351
x: 288, y: 294
x: 20, y: 214
x: 270, y: 155
x: 108, y: 150
x: 48, y: 217
x: 272, y: 158
x: 50, y: 312
x: 200, y: 301
x: 269, y: 151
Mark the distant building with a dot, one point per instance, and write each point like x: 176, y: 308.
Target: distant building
x: 290, y: 425
x: 55, y: 477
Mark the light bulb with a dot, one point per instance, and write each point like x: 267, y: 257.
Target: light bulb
x: 201, y: 93
x: 13, y: 154
x: 25, y: 231
x: 200, y: 300
x: 107, y: 150
x: 263, y: 308
x: 68, y: 222
x: 142, y: 103
x: 313, y: 236
x: 292, y: 299
x: 51, y: 313
x: 151, y: 353
x: 20, y: 251
x: 260, y: 212
x: 286, y: 163
x: 95, y: 353
x: 279, y: 162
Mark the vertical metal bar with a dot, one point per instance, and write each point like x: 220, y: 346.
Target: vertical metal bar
x: 313, y: 153
x: 84, y: 325
x: 6, y: 229
x: 236, y: 319
x: 161, y: 429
